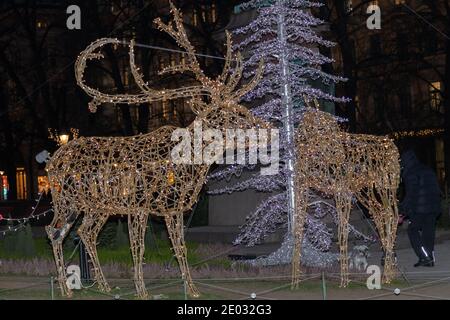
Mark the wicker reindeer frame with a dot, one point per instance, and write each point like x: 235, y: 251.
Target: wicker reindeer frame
x: 135, y: 176
x: 346, y: 166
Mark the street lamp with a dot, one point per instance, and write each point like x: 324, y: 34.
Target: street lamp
x: 63, y: 138
x: 85, y: 275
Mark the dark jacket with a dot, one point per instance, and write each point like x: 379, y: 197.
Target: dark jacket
x: 422, y: 192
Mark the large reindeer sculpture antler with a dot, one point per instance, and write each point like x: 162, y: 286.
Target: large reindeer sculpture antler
x: 136, y: 176
x: 220, y: 89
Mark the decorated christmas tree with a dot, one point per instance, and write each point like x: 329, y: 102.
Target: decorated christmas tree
x: 284, y: 35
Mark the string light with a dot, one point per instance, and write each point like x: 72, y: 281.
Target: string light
x: 134, y: 176
x: 32, y: 214
x: 416, y: 133
x: 23, y: 221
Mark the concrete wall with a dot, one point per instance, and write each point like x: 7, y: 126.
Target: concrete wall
x: 232, y: 209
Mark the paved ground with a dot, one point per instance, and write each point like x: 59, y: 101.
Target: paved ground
x: 414, y: 283
x: 407, y: 258
x: 405, y: 255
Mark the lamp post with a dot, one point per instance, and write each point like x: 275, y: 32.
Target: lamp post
x: 62, y: 137
x: 85, y: 275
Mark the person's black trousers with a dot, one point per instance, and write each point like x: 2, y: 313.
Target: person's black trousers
x: 421, y: 232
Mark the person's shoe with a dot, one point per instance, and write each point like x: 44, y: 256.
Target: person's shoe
x: 425, y: 262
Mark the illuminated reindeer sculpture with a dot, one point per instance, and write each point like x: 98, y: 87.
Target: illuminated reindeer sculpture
x: 135, y: 176
x: 346, y: 166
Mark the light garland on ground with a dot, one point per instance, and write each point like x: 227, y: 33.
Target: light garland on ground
x: 135, y: 176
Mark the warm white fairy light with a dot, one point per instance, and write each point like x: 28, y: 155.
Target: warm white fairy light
x: 21, y: 222
x: 135, y: 176
x: 346, y: 166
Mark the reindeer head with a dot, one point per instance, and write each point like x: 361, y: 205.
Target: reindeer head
x: 215, y: 101
x: 316, y: 122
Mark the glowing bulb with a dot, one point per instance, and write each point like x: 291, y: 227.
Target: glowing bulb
x: 63, y: 139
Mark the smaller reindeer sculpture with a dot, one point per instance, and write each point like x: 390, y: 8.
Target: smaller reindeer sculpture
x: 346, y: 166
x: 135, y: 176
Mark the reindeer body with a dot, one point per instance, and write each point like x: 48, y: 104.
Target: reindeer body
x: 135, y: 176
x: 346, y: 166
x: 125, y: 174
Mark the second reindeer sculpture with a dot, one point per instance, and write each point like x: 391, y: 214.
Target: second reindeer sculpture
x: 135, y: 176
x: 347, y: 167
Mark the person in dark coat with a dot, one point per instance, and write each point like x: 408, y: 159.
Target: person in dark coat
x: 421, y: 205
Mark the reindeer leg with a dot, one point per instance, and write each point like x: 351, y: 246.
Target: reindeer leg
x: 387, y: 237
x: 297, y: 233
x: 176, y: 233
x: 385, y: 216
x: 343, y: 207
x: 57, y: 231
x: 88, y: 232
x: 136, y: 227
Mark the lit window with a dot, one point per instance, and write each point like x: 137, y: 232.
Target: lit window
x: 349, y: 5
x: 400, y: 2
x: 4, y: 187
x: 435, y: 96
x: 208, y: 14
x: 165, y: 109
x: 162, y: 63
x: 21, y: 181
x: 213, y: 13
x: 204, y: 15
x: 126, y: 78
x: 194, y: 18
x: 43, y: 184
x: 41, y: 24
x: 374, y: 3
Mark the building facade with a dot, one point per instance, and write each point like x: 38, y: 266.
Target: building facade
x: 39, y: 90
x: 398, y: 72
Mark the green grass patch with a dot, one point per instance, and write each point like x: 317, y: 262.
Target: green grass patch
x: 159, y: 252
